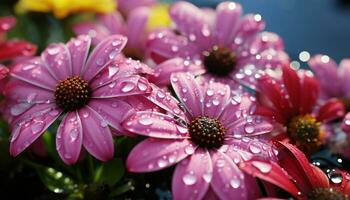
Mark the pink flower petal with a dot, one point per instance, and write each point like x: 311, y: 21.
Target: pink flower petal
x: 228, y: 180
x: 34, y: 72
x: 249, y: 126
x: 97, y: 138
x: 192, y: 176
x: 154, y: 124
x: 69, y: 138
x: 114, y: 111
x: 128, y: 5
x: 250, y: 25
x: 11, y: 49
x: 79, y: 50
x: 155, y: 154
x: 57, y: 60
x: 136, y: 26
x: 227, y: 21
x: 216, y: 97
x: 326, y: 73
x: 165, y: 69
x: 193, y: 22
x: 114, y: 22
x: 28, y: 130
x: 267, y: 40
x: 7, y: 23
x: 20, y: 91
x: 96, y: 31
x: 310, y: 90
x: 331, y: 110
x: 344, y: 74
x: 103, y: 53
x: 188, y: 91
x: 123, y: 86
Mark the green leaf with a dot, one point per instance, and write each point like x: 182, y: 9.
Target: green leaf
x: 120, y: 190
x: 55, y: 180
x: 110, y: 172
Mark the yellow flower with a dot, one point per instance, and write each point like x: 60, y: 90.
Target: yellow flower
x: 159, y: 16
x: 62, y: 8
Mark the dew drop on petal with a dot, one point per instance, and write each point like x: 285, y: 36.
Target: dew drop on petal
x: 254, y: 148
x: 207, y: 177
x: 248, y: 128
x: 73, y: 135
x: 162, y: 163
x: 210, y: 92
x: 220, y: 163
x: 116, y: 43
x: 145, y: 121
x: 53, y: 50
x: 189, y: 179
x: 189, y: 149
x: 262, y: 167
x: 112, y: 70
x: 37, y: 127
x: 142, y: 86
x: 128, y: 87
x: 86, y: 114
x: 19, y: 108
x: 235, y: 183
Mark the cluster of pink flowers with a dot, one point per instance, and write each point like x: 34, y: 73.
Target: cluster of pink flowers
x: 214, y: 95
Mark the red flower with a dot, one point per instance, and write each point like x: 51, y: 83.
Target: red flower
x: 294, y: 174
x: 11, y: 49
x: 291, y: 102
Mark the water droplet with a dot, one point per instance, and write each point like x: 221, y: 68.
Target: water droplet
x: 184, y: 90
x: 142, y: 86
x: 116, y: 43
x: 112, y: 54
x: 249, y: 128
x: 104, y: 123
x: 220, y: 163
x: 53, y: 50
x: 335, y: 177
x: 189, y: 179
x: 86, y: 114
x: 181, y: 129
x: 347, y: 122
x: 174, y: 79
x: 172, y: 158
x: 235, y: 183
x: 192, y: 37
x: 99, y: 61
x: 77, y: 42
x: 128, y: 87
x: 175, y: 48
x: 28, y: 67
x: 162, y: 163
x: 74, y: 135
x: 216, y: 102
x: 189, y: 149
x: 19, y: 108
x: 112, y: 70
x: 145, y: 121
x: 254, y: 148
x: 37, y: 127
x: 262, y: 167
x: 207, y: 177
x: 160, y: 94
x: 210, y: 92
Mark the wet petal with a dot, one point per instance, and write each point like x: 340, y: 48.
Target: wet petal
x: 136, y: 26
x: 228, y: 180
x: 192, y: 176
x: 79, y: 50
x: 97, y: 138
x: 69, y: 138
x: 154, y: 124
x: 11, y: 49
x: 96, y: 31
x: 57, y: 60
x: 189, y: 92
x: 331, y: 110
x: 102, y: 55
x: 114, y: 22
x: 216, y: 97
x: 28, y: 130
x: 155, y: 154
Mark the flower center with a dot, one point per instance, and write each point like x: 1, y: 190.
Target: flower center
x: 219, y: 60
x: 72, y: 93
x: 207, y: 132
x: 304, y: 131
x: 326, y: 194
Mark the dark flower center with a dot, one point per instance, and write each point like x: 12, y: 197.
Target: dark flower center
x: 219, y: 60
x: 133, y: 53
x: 326, y: 194
x: 207, y: 132
x: 72, y: 93
x: 304, y: 131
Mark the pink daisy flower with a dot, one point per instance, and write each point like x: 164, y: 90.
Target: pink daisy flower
x: 220, y: 43
x: 291, y: 101
x: 206, y: 137
x: 133, y: 26
x: 87, y: 91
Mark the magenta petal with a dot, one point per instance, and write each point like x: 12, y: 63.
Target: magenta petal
x: 192, y: 176
x: 228, y: 180
x: 249, y: 126
x: 266, y: 40
x: 128, y: 5
x: 28, y: 130
x: 248, y: 147
x: 136, y: 26
x: 155, y: 154
x: 97, y: 138
x: 250, y: 25
x: 57, y: 60
x: 344, y: 73
x: 192, y: 22
x: 124, y: 86
x: 103, y: 53
x: 35, y: 73
x: 216, y: 97
x: 189, y: 92
x: 114, y: 111
x: 20, y: 91
x: 154, y: 124
x: 326, y: 71
x: 165, y: 69
x: 69, y: 138
x: 96, y: 31
x: 114, y: 22
x: 79, y: 50
x: 227, y: 21
x: 238, y: 107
